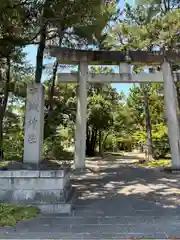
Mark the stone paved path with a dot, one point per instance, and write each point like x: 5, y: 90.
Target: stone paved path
x: 117, y: 201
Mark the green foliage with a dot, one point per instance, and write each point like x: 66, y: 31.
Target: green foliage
x: 156, y: 107
x: 14, y: 150
x: 161, y: 142
x: 100, y: 113
x: 149, y: 24
x: 164, y: 30
x: 95, y: 32
x: 103, y: 101
x: 159, y: 163
x: 11, y: 214
x: 52, y: 148
x: 111, y: 143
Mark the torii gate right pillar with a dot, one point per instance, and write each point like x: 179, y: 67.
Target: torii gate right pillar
x: 81, y: 117
x: 171, y: 115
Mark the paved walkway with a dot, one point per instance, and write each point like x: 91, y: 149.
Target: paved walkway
x: 117, y: 201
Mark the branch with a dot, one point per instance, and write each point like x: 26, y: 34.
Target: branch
x: 120, y: 38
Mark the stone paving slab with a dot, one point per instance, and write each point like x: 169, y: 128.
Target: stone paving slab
x: 57, y: 235
x: 88, y: 232
x: 107, y: 220
x: 95, y: 228
x: 87, y: 236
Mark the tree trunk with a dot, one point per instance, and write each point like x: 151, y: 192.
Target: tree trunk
x: 87, y: 140
x: 51, y: 90
x: 100, y: 143
x: 55, y: 68
x: 178, y: 90
x: 91, y: 141
x: 1, y: 136
x: 42, y: 42
x: 3, y: 104
x: 148, y: 121
x: 104, y: 142
x: 94, y: 142
x: 89, y: 144
x: 40, y: 54
x: 49, y: 107
x: 53, y: 80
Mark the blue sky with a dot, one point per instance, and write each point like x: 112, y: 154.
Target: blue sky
x: 31, y: 57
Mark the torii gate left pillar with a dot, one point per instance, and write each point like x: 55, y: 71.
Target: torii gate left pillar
x: 81, y: 116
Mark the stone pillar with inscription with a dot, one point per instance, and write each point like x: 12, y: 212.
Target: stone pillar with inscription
x: 34, y: 124
x: 81, y: 117
x: 171, y: 115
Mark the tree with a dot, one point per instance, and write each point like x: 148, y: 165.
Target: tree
x: 102, y: 103
x: 18, y: 21
x: 37, y: 22
x: 64, y: 15
x: 147, y: 25
x: 13, y: 68
x: 16, y: 24
x: 148, y: 119
x: 74, y: 33
x: 135, y: 101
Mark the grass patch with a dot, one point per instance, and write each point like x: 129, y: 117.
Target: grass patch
x: 156, y: 163
x: 3, y: 163
x: 11, y: 214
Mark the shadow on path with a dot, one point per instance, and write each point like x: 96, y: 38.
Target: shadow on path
x: 127, y: 183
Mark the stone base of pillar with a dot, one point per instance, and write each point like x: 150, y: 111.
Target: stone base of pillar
x: 49, y: 190
x: 78, y: 171
x: 171, y: 170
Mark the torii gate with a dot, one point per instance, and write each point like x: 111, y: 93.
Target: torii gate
x: 84, y: 58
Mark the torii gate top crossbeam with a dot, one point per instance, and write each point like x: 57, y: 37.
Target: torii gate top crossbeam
x: 73, y: 56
